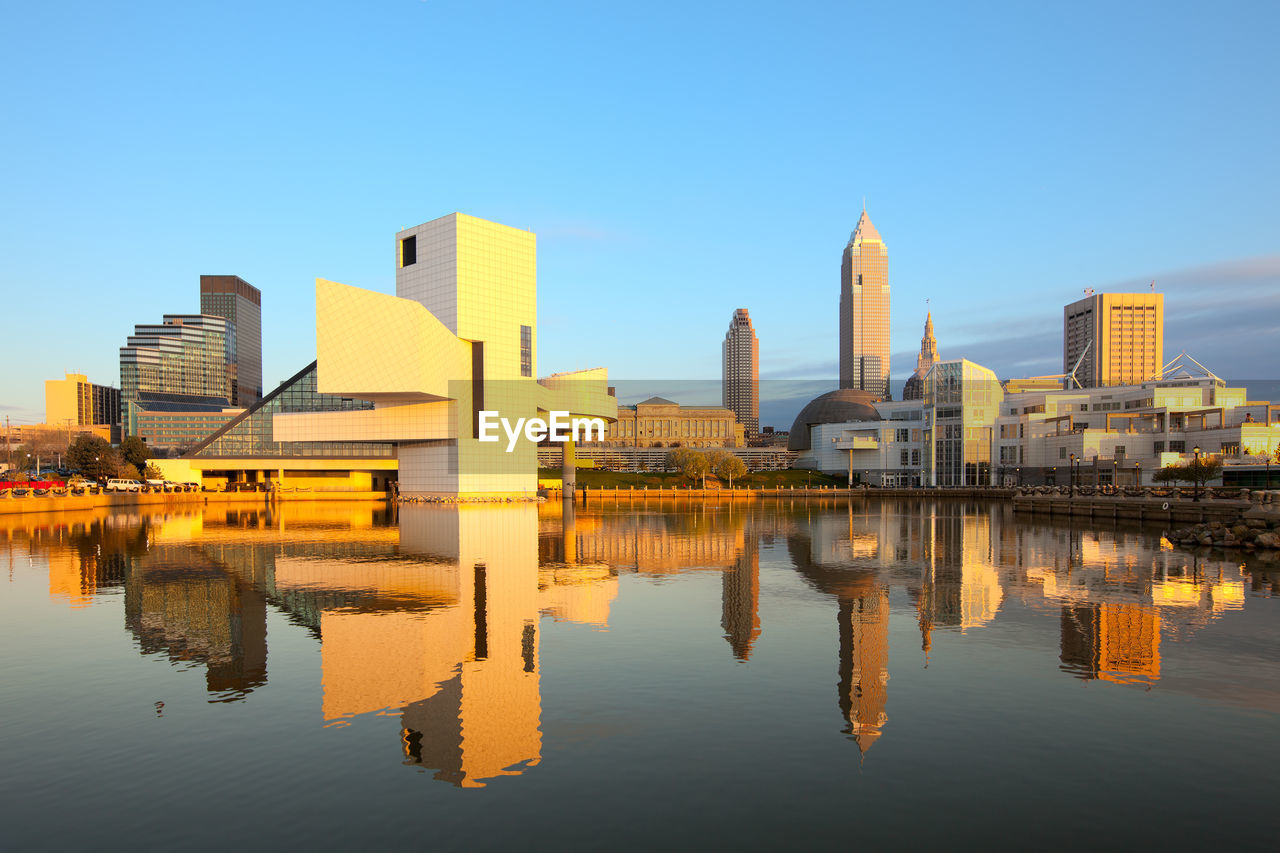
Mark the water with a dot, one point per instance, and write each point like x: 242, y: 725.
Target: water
x: 826, y: 674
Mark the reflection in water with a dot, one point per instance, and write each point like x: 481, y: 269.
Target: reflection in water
x: 435, y: 617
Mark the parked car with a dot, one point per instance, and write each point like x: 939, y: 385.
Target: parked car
x: 123, y: 486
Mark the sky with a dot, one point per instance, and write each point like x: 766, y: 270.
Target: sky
x: 676, y: 160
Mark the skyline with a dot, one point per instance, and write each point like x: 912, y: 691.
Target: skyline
x: 703, y: 169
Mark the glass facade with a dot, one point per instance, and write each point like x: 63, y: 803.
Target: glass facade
x: 963, y: 400
x: 250, y: 434
x: 240, y: 303
x: 183, y: 356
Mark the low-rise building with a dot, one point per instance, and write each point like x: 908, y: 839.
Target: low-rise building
x: 1123, y: 434
x: 658, y: 422
x: 178, y: 431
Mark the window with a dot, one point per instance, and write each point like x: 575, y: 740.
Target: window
x: 1158, y: 447
x: 915, y: 457
x: 526, y: 350
x: 902, y: 435
x: 409, y: 251
x: 1062, y: 453
x: 904, y: 459
x: 1177, y: 447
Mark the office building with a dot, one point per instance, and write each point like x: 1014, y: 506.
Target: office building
x: 1113, y: 338
x: 75, y: 401
x: 178, y: 365
x: 741, y: 386
x: 914, y: 389
x: 864, y: 311
x: 240, y: 303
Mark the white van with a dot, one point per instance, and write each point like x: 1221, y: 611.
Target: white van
x: 123, y: 486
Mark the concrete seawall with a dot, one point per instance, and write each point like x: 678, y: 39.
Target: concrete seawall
x: 1154, y: 509
x: 129, y: 500
x: 755, y: 494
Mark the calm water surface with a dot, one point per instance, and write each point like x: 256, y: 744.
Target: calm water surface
x: 829, y: 674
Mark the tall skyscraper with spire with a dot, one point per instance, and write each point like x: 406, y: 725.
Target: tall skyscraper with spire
x: 741, y: 387
x: 864, y: 311
x: 914, y: 389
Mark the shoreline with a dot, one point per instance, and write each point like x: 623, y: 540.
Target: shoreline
x: 127, y: 500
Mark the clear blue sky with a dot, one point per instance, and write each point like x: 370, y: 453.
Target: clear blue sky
x: 677, y: 161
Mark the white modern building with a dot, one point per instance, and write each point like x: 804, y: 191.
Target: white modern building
x: 401, y: 382
x: 1123, y: 434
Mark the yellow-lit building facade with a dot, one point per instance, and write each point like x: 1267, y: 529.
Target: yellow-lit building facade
x: 75, y: 401
x: 1117, y: 338
x: 864, y: 311
x: 658, y: 422
x: 407, y: 376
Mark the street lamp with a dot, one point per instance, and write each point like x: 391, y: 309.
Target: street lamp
x: 1196, y: 471
x: 1072, y: 480
x: 1137, y: 475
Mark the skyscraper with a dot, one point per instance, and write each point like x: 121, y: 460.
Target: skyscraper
x: 864, y: 311
x: 741, y: 387
x: 914, y: 389
x: 1118, y: 338
x: 234, y: 299
x: 179, y: 365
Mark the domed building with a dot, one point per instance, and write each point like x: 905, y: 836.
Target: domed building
x: 833, y: 407
x: 856, y: 435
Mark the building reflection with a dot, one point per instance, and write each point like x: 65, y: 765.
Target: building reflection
x: 181, y: 604
x: 435, y: 618
x: 1111, y: 641
x: 847, y: 568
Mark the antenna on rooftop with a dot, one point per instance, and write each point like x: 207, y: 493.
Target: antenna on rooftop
x: 1153, y: 285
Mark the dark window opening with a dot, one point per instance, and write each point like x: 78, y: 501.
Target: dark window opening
x: 409, y: 251
x: 526, y: 351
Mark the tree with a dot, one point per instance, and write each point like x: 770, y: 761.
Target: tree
x: 46, y: 445
x: 134, y: 450
x: 93, y: 457
x: 729, y: 466
x: 1203, y: 469
x: 151, y: 472
x: 1197, y: 471
x: 688, y: 462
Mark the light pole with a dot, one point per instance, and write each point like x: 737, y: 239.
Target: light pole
x: 1072, y: 479
x: 1195, y: 471
x: 1137, y: 475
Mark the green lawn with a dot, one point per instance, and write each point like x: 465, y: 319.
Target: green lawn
x: 597, y: 479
